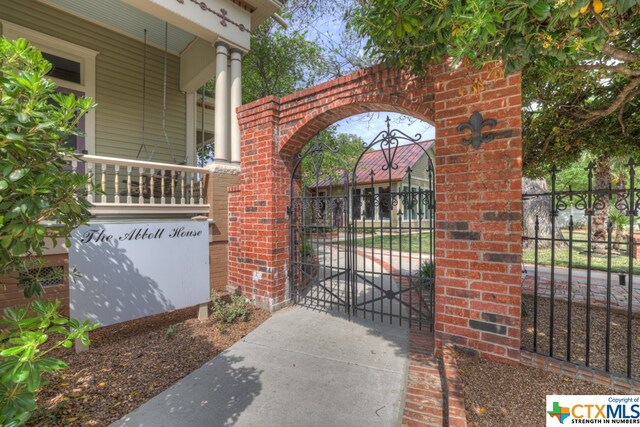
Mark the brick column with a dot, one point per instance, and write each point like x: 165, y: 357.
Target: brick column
x: 259, y: 230
x: 478, y: 215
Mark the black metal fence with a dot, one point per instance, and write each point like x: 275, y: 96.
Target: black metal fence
x: 581, y: 299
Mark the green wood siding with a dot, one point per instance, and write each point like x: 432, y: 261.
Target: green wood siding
x: 119, y: 76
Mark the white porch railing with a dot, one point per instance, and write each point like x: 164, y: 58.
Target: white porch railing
x: 121, y: 186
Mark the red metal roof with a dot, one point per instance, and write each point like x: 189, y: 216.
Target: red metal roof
x: 406, y: 156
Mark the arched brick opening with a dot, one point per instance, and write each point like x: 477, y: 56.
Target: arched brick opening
x: 297, y: 137
x: 478, y: 215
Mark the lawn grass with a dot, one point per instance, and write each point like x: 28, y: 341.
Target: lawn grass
x: 398, y: 242
x: 618, y: 262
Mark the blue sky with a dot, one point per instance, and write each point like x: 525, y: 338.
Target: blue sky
x: 367, y: 126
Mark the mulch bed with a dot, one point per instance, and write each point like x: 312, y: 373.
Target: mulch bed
x: 130, y: 363
x: 618, y: 335
x: 505, y: 395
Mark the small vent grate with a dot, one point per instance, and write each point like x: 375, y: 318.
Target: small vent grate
x: 46, y: 276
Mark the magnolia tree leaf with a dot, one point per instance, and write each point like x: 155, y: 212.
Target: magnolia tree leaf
x: 34, y: 175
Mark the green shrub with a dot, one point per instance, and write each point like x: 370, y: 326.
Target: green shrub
x: 40, y: 197
x: 305, y: 248
x: 170, y: 332
x: 427, y: 273
x: 427, y: 270
x: 619, y: 219
x: 227, y: 312
x: 27, y: 335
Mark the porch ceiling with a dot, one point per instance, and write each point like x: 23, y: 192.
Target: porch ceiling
x: 125, y: 18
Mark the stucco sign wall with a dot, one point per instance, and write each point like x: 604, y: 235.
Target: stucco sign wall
x: 128, y: 271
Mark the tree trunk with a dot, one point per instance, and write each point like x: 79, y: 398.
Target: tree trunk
x: 618, y: 240
x: 602, y: 175
x: 540, y: 207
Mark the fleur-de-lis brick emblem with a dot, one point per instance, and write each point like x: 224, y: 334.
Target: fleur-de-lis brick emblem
x: 475, y: 125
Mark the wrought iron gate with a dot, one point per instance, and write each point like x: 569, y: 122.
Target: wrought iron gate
x: 362, y: 237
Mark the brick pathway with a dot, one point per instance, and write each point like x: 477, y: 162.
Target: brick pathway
x: 455, y: 390
x: 424, y: 399
x: 619, y: 294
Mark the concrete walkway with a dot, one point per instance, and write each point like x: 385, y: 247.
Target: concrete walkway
x: 301, y: 367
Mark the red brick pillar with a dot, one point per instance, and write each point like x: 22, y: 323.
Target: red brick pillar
x: 478, y: 215
x: 258, y: 226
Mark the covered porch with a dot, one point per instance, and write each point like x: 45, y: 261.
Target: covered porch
x: 144, y: 63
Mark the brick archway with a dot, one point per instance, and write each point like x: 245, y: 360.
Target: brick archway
x: 478, y: 219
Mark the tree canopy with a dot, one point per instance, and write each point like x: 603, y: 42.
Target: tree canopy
x: 553, y: 131
x: 280, y: 62
x: 581, y: 62
x: 338, y: 155
x: 414, y: 33
x: 315, y: 47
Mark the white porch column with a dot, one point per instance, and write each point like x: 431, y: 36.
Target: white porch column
x: 236, y: 101
x: 221, y: 125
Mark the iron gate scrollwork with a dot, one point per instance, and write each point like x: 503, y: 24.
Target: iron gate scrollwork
x: 362, y: 235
